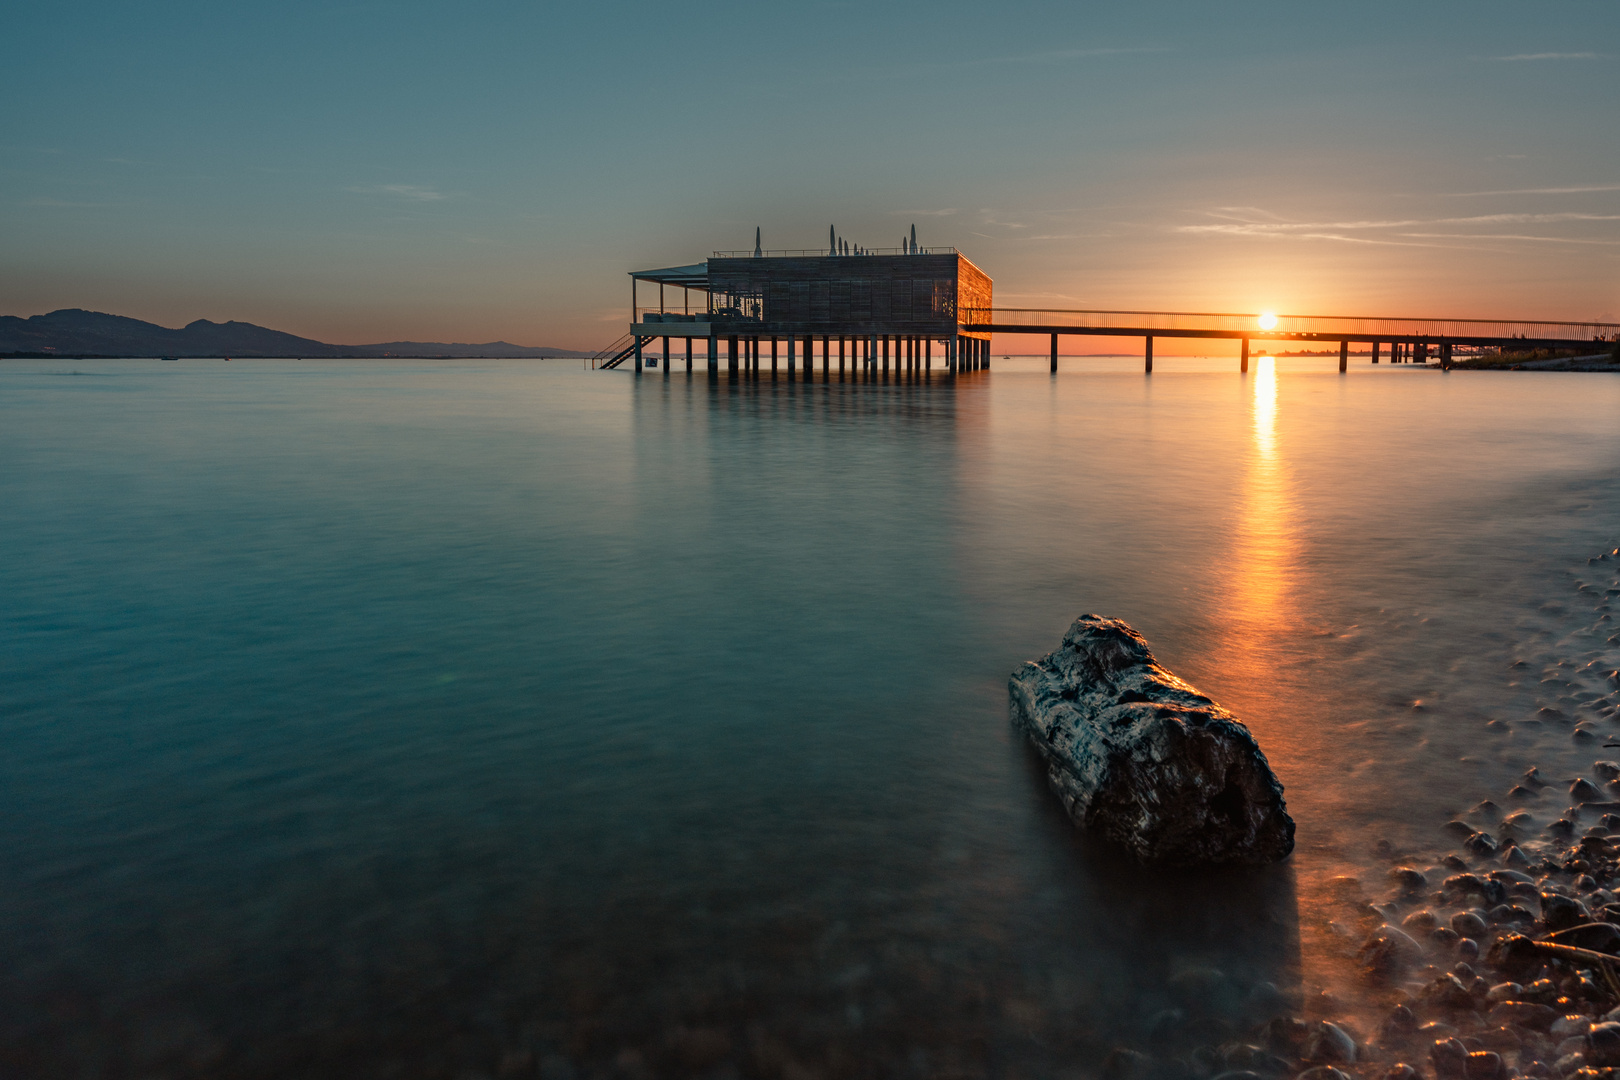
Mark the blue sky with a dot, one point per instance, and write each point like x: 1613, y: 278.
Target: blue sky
x: 440, y: 171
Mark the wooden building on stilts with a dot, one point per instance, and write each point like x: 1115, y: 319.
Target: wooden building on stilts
x: 844, y: 308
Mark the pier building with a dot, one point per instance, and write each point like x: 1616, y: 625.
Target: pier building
x: 843, y: 307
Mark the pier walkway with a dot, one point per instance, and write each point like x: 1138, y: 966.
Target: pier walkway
x: 1408, y: 339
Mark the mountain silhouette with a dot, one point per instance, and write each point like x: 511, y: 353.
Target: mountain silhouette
x: 76, y: 332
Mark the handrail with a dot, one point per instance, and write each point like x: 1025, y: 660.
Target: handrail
x: 1288, y: 325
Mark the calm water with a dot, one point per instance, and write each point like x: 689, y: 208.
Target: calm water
x: 425, y: 719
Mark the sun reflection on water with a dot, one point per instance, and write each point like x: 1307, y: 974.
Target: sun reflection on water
x: 1258, y: 602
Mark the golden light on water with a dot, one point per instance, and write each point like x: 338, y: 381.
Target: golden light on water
x: 1268, y: 321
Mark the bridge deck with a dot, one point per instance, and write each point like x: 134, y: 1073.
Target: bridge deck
x: 1337, y: 328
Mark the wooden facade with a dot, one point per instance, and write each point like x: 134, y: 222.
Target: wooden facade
x: 847, y: 295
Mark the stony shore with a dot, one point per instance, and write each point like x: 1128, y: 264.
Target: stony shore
x: 1496, y: 959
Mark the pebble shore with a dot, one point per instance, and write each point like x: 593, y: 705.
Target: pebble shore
x: 1498, y: 959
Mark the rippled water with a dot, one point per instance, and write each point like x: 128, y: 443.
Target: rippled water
x: 493, y: 718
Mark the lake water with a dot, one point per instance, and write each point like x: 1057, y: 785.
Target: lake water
x: 489, y: 718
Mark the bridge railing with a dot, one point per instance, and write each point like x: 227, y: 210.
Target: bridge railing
x: 1282, y: 326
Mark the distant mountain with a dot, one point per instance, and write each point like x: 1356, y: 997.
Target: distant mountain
x: 75, y: 332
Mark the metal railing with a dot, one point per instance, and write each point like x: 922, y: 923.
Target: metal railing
x: 778, y: 253
x: 1261, y: 326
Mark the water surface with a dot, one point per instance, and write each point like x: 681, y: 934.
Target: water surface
x: 377, y: 718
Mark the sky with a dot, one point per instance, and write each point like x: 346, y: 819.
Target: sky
x: 419, y: 170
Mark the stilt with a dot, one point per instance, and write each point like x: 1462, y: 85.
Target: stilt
x: 1375, y: 352
x: 885, y: 347
x: 638, y: 353
x: 840, y: 354
x: 1243, y: 364
x: 986, y: 344
x: 790, y: 357
x: 731, y: 357
x: 714, y: 356
x: 1344, y: 356
x: 773, y: 356
x: 809, y: 358
x: 1148, y: 356
x: 666, y: 357
x: 1445, y: 356
x: 826, y: 357
x: 1054, y: 354
x: 928, y: 354
x: 689, y: 356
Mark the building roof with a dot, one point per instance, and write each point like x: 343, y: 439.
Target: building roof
x: 694, y: 276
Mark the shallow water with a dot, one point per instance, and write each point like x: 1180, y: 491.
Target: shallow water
x: 368, y: 718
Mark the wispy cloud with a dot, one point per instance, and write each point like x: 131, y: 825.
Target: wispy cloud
x: 405, y: 192
x: 1057, y: 55
x: 1517, y: 236
x: 1549, y: 56
x: 1579, y: 190
x: 1288, y: 228
x: 1399, y: 232
x: 64, y: 203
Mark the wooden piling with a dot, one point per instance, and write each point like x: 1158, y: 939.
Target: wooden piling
x: 638, y: 352
x: 1147, y: 367
x: 689, y: 356
x: 1054, y: 354
x: 1243, y: 363
x: 1375, y: 352
x: 790, y: 356
x: 714, y: 356
x: 1344, y: 356
x: 666, y: 357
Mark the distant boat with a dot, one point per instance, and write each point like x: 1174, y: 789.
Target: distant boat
x: 168, y: 358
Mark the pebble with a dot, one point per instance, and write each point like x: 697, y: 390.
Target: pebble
x: 1584, y: 791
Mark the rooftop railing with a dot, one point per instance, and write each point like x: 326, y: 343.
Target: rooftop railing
x: 814, y: 252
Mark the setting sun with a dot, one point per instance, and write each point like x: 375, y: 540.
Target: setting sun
x: 1268, y: 321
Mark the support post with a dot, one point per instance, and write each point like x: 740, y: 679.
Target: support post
x: 809, y: 357
x: 1375, y: 352
x: 986, y: 344
x: 714, y: 356
x: 773, y: 355
x: 826, y: 356
x: 689, y: 356
x: 928, y: 354
x: 1445, y: 356
x: 1148, y: 356
x: 885, y: 347
x: 1243, y: 364
x: 731, y: 356
x: 1054, y: 354
x: 1344, y: 355
x: 840, y: 354
x: 666, y: 351
x: 790, y: 356
x: 638, y: 350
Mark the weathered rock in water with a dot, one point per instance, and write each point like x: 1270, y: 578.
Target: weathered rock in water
x: 1143, y: 759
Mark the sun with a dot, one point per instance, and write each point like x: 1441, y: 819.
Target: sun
x: 1268, y: 321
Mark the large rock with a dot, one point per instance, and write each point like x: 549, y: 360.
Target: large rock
x: 1143, y: 759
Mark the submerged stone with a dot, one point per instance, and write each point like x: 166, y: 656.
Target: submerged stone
x: 1141, y: 758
